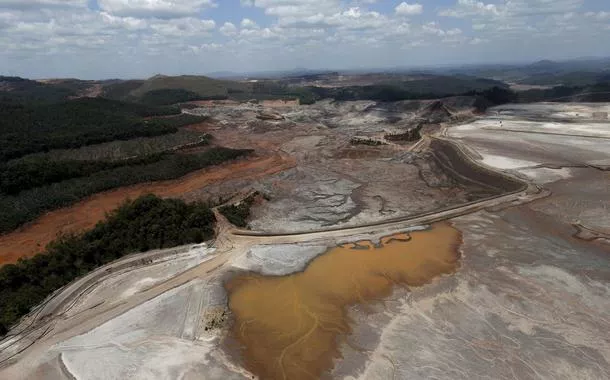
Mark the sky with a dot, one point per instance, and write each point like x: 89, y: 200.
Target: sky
x: 97, y: 39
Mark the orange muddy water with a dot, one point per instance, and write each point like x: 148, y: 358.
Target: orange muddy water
x: 290, y: 327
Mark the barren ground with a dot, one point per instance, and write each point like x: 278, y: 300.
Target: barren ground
x: 529, y: 299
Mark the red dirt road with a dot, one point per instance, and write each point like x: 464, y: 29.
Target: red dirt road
x: 33, y: 237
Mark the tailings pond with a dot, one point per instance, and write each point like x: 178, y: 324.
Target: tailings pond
x: 290, y: 327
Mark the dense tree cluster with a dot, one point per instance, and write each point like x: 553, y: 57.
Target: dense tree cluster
x: 20, y: 175
x: 24, y: 90
x: 31, y: 128
x: 27, y: 205
x: 121, y: 90
x: 169, y: 96
x: 238, y: 214
x: 366, y: 141
x: 428, y: 87
x: 181, y: 120
x: 599, y: 92
x: 140, y: 225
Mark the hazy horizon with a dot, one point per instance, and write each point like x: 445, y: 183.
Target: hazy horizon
x: 96, y: 39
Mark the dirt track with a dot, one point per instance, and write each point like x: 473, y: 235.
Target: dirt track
x: 33, y: 237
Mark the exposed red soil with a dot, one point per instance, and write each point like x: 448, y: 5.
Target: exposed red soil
x: 33, y: 237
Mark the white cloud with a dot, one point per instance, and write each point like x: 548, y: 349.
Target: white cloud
x: 510, y: 8
x: 299, y: 12
x: 155, y: 8
x: 433, y: 28
x: 182, y: 27
x: 128, y: 23
x: 248, y: 24
x: 228, y: 29
x: 124, y: 34
x: 542, y: 7
x: 25, y: 4
x: 603, y: 15
x: 205, y: 48
x: 356, y: 19
x: 406, y: 9
x: 465, y: 8
x: 477, y: 41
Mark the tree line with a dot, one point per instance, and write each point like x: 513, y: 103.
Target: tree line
x: 21, y: 175
x: 27, y: 205
x: 140, y: 225
x: 33, y: 127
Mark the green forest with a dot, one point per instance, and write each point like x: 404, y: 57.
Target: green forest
x: 170, y: 96
x: 30, y: 128
x: 140, y: 225
x: 20, y: 175
x: 238, y: 214
x: 27, y: 205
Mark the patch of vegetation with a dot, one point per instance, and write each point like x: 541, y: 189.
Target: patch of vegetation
x: 200, y: 85
x: 168, y: 96
x: 446, y: 85
x: 121, y: 150
x: 570, y: 79
x: 19, y: 90
x: 16, y: 210
x: 75, y: 85
x: 182, y: 120
x: 21, y: 175
x: 427, y: 88
x: 143, y: 224
x: 121, y: 90
x: 410, y: 135
x: 492, y: 97
x: 238, y: 214
x: 600, y: 92
x: 365, y: 141
x: 26, y: 129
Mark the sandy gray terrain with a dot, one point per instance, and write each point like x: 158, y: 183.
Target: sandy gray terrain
x: 334, y: 182
x: 530, y: 299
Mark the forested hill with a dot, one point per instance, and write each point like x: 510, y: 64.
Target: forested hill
x: 20, y: 90
x: 34, y: 127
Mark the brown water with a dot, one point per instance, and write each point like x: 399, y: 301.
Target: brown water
x: 290, y: 327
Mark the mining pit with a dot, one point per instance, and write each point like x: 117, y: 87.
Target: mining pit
x: 358, y: 246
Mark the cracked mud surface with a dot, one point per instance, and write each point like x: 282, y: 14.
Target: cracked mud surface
x: 335, y: 183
